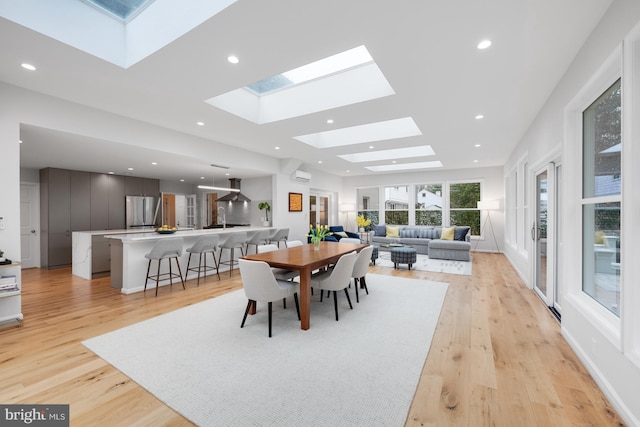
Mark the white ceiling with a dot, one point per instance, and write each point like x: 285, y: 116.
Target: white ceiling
x: 426, y: 50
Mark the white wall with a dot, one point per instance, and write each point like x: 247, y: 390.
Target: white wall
x: 610, y: 361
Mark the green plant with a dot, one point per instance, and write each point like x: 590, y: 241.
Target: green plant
x: 266, y: 207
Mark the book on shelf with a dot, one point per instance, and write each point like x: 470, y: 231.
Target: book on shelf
x: 7, y: 280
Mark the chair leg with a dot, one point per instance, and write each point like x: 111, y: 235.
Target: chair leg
x: 180, y: 272
x: 335, y: 304
x: 147, y: 279
x: 363, y: 283
x: 355, y: 285
x: 213, y: 254
x: 284, y: 303
x: 199, y: 267
x: 230, y: 263
x: 295, y: 299
x: 158, y: 276
x: 346, y: 291
x: 245, y: 313
x: 270, y: 310
x: 170, y: 274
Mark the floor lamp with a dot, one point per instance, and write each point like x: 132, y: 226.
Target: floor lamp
x: 346, y: 208
x: 488, y: 205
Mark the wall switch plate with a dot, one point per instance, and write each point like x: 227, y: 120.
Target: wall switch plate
x: 1, y: 223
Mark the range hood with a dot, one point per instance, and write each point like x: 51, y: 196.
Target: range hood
x: 234, y: 196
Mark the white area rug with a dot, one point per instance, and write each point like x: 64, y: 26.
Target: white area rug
x: 424, y: 263
x: 362, y: 370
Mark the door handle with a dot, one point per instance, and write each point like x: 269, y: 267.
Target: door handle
x: 33, y: 231
x: 533, y: 232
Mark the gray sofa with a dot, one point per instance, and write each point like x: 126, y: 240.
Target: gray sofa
x: 420, y: 237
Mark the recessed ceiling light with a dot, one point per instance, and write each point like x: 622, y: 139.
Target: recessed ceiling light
x: 111, y: 173
x: 129, y: 169
x: 182, y: 180
x: 484, y: 44
x: 233, y: 59
x: 475, y: 161
x: 477, y: 145
x: 202, y: 177
x: 319, y: 161
x: 480, y: 117
x: 277, y: 148
x: 330, y: 121
x: 227, y: 174
x: 371, y: 147
x: 348, y: 171
x: 154, y: 163
x: 20, y: 141
x: 200, y: 123
x: 28, y: 67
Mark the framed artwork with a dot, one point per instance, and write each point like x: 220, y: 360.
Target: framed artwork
x: 295, y: 202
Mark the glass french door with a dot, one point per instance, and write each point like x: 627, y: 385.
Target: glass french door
x: 318, y: 209
x: 543, y: 235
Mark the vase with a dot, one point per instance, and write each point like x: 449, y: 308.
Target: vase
x: 361, y: 229
x: 316, y: 245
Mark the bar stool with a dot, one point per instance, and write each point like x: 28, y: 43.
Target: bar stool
x: 202, y: 246
x: 231, y: 241
x: 278, y: 235
x: 255, y: 238
x: 167, y: 248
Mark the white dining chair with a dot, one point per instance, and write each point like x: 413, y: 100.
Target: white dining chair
x: 260, y: 285
x: 293, y: 243
x: 336, y: 279
x: 360, y: 270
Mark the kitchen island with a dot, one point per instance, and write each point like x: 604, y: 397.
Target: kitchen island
x: 127, y: 251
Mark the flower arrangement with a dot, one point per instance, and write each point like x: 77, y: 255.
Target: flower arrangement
x: 317, y: 234
x: 362, y: 221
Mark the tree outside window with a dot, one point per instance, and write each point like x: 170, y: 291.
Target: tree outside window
x: 463, y: 205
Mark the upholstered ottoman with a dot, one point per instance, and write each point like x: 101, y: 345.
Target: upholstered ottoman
x: 374, y: 254
x: 450, y: 249
x: 403, y: 255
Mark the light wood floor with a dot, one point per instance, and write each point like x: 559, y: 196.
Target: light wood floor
x: 497, y: 357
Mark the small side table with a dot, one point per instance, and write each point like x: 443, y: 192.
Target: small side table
x: 365, y: 236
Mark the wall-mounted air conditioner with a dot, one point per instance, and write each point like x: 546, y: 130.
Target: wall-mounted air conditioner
x: 302, y: 176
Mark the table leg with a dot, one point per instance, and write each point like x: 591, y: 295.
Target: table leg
x: 305, y: 299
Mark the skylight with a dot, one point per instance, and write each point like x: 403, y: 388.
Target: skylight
x: 379, y: 131
x: 396, y: 153
x: 345, y: 78
x: 405, y: 166
x: 321, y: 68
x: 125, y: 10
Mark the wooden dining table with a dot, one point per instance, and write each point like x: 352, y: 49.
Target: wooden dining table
x: 305, y: 259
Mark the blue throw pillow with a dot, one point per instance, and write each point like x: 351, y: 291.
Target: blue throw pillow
x: 461, y: 233
x: 336, y: 228
x: 381, y: 230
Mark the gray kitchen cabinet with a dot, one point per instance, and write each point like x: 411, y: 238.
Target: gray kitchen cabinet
x: 100, y: 255
x: 116, y: 202
x: 55, y: 218
x: 132, y: 186
x: 99, y: 201
x: 151, y: 187
x: 80, y: 201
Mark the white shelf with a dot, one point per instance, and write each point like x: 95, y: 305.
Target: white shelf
x: 11, y: 301
x: 9, y: 294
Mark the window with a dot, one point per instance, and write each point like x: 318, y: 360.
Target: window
x: 396, y: 205
x: 601, y: 198
x: 428, y: 204
x: 368, y: 203
x: 463, y: 205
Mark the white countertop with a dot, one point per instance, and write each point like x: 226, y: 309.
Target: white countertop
x: 127, y: 236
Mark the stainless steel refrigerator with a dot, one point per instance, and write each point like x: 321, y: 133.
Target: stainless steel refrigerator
x: 141, y: 211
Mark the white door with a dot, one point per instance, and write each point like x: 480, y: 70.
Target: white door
x: 544, y: 236
x: 30, y: 225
